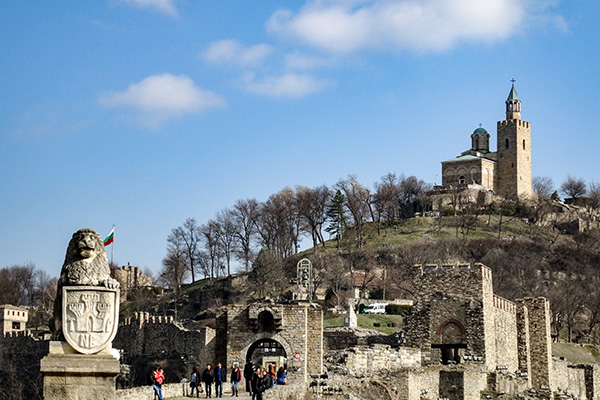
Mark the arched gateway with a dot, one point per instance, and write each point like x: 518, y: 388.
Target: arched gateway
x: 286, y: 334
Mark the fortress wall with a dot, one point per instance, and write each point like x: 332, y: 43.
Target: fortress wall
x: 505, y: 328
x: 382, y: 356
x: 461, y: 294
x: 569, y: 376
x: 145, y: 334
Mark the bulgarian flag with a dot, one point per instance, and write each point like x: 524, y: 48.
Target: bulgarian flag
x: 110, y: 238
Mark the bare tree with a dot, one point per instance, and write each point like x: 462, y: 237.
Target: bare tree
x: 358, y: 200
x: 573, y: 187
x: 594, y: 194
x: 174, y: 270
x: 312, y: 207
x: 279, y: 224
x: 185, y: 241
x: 543, y: 187
x: 228, y: 237
x: 246, y: 214
x: 266, y: 277
x: 386, y: 200
x: 211, y: 232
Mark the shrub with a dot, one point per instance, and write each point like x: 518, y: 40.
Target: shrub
x: 396, y: 309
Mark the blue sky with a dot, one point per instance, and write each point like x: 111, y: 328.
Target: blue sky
x: 142, y: 113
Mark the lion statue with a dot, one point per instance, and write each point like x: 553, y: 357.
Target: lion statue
x: 85, y: 265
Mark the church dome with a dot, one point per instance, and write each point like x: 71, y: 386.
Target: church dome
x: 480, y: 131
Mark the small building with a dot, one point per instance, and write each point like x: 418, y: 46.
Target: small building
x: 14, y: 319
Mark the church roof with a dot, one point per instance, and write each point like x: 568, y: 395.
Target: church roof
x: 466, y: 157
x: 470, y: 157
x: 512, y: 96
x: 480, y: 131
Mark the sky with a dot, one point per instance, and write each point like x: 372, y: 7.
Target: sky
x: 142, y: 113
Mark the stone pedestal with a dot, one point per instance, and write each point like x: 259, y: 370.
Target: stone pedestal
x: 69, y: 375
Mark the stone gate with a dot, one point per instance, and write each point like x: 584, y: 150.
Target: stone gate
x: 293, y: 332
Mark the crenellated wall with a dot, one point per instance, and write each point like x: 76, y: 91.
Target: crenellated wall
x: 146, y: 334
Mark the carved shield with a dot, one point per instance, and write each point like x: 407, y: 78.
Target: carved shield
x: 90, y: 317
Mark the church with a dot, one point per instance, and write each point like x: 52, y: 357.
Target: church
x: 508, y: 170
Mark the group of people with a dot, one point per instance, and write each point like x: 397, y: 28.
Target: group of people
x: 258, y: 379
x: 216, y: 376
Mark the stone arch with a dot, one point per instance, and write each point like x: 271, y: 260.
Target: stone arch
x: 263, y: 337
x: 275, y: 348
x: 452, y: 331
x: 473, y: 173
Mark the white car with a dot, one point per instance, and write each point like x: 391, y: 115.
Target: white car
x: 375, y: 308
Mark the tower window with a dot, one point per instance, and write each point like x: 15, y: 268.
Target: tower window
x: 523, y: 144
x: 461, y: 180
x: 506, y: 143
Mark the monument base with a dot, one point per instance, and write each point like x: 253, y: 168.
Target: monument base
x: 74, y: 376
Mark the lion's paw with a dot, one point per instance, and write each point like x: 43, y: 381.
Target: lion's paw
x: 111, y: 283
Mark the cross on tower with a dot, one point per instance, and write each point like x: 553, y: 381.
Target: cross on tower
x: 513, y: 81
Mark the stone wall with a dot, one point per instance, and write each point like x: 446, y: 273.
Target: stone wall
x: 581, y: 380
x: 454, y: 383
x: 505, y: 329
x: 460, y: 295
x: 145, y: 334
x: 380, y: 356
x: 297, y: 328
x: 539, y: 341
x: 339, y: 338
x: 169, y: 390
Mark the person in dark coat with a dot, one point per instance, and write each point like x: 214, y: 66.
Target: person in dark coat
x: 235, y: 378
x: 248, y: 374
x: 219, y: 379
x: 208, y: 377
x: 195, y: 382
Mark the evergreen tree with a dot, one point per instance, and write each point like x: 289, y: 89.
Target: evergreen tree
x: 336, y: 214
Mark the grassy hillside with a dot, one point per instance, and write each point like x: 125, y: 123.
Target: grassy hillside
x: 576, y: 354
x: 387, y: 324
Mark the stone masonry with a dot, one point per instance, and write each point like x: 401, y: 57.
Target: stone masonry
x: 297, y: 328
x: 458, y: 319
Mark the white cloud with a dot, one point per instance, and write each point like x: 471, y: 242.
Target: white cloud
x: 161, y: 97
x: 343, y: 26
x: 231, y: 51
x: 286, y: 85
x: 164, y: 6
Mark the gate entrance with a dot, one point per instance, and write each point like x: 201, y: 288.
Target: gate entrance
x: 264, y: 349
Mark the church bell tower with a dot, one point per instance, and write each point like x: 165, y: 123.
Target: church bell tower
x: 513, y: 171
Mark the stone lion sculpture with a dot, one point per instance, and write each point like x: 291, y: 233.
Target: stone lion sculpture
x: 85, y: 265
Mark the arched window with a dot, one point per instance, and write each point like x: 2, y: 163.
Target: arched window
x: 461, y: 180
x: 506, y: 143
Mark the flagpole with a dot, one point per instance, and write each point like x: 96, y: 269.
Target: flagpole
x: 112, y: 250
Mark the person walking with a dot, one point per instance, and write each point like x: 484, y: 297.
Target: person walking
x: 158, y: 377
x: 219, y: 379
x: 236, y: 377
x: 195, y: 382
x: 208, y: 377
x: 248, y: 374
